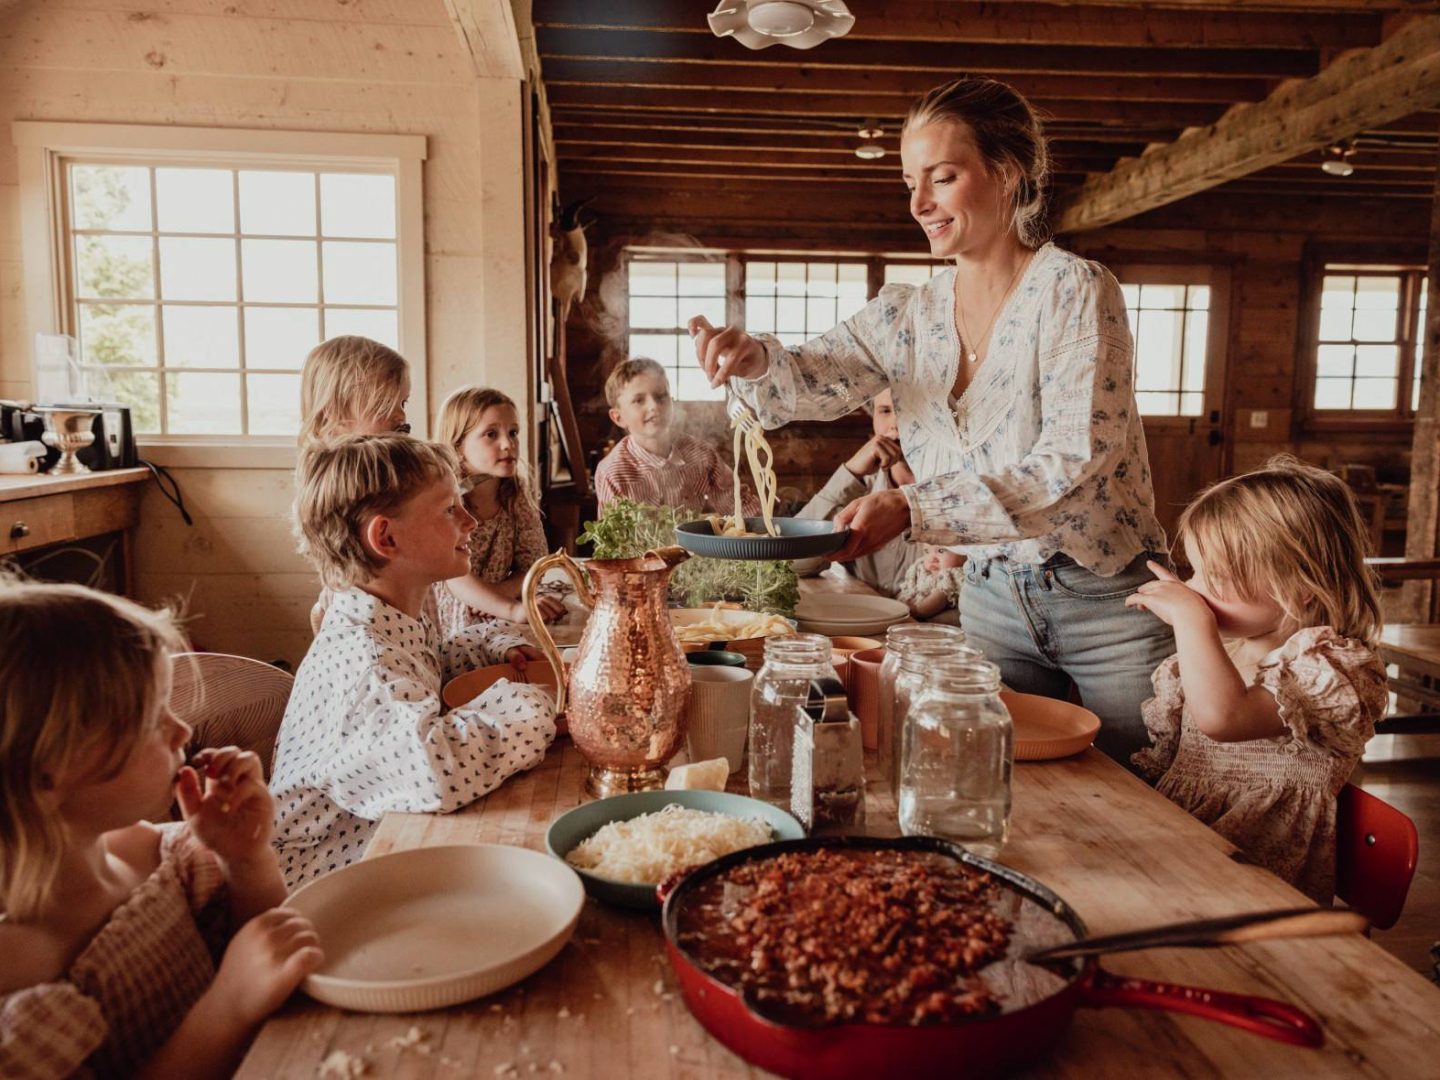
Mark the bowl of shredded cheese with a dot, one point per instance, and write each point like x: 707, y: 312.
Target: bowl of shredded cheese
x: 624, y: 846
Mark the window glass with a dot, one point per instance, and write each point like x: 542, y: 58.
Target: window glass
x: 663, y: 296
x: 1170, y: 325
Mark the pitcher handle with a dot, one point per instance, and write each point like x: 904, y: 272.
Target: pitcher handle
x: 537, y: 623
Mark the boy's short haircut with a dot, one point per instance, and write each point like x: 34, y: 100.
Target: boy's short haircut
x: 626, y: 370
x: 340, y: 485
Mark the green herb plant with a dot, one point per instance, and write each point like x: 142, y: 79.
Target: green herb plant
x: 627, y: 529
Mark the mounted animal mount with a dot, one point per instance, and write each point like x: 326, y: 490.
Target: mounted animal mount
x: 567, y: 286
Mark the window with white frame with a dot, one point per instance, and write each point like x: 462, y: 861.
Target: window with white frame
x: 911, y: 273
x: 1369, y: 336
x: 196, y: 268
x: 797, y: 301
x: 663, y: 296
x: 1170, y: 325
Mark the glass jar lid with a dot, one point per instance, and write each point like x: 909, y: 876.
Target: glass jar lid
x: 905, y: 633
x: 962, y: 675
x: 797, y: 649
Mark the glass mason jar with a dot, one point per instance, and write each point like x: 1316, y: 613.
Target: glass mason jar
x: 958, y: 757
x: 897, y: 640
x: 914, y: 667
x: 782, y: 683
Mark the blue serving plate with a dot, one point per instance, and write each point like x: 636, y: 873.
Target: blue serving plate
x: 800, y: 538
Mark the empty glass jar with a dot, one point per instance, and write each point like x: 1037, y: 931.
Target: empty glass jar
x: 899, y: 640
x: 957, y: 758
x: 782, y: 683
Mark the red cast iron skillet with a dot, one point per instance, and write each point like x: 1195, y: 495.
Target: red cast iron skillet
x: 985, y: 1045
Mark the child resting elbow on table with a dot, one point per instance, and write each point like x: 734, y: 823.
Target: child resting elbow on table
x: 365, y: 731
x: 1265, y: 709
x: 111, y: 928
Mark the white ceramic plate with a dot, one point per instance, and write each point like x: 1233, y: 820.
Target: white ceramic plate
x: 849, y: 614
x: 433, y: 927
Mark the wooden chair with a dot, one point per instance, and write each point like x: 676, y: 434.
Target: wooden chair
x: 231, y: 701
x: 1376, y: 850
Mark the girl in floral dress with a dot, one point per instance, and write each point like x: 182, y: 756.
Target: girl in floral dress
x: 1265, y: 709
x: 483, y: 426
x: 111, y: 927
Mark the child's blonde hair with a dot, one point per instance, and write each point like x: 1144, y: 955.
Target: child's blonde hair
x: 55, y: 714
x: 460, y: 412
x: 346, y: 379
x: 1292, y: 533
x: 342, y: 484
x: 626, y: 370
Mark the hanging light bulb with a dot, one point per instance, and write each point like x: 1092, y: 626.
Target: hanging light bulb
x: 1336, y: 161
x: 869, y: 149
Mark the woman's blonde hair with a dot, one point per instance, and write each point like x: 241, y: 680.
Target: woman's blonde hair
x: 347, y: 379
x: 1292, y: 533
x: 1009, y: 136
x: 460, y: 412
x: 340, y: 485
x: 82, y: 673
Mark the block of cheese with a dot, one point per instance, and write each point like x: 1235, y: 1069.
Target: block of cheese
x: 699, y: 776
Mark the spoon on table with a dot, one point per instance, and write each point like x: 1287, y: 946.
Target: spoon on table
x: 1208, y: 933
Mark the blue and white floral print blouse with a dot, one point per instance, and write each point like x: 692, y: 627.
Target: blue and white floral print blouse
x: 1044, y: 453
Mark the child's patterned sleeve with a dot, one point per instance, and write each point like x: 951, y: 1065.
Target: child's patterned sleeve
x: 408, y: 755
x: 479, y: 645
x: 1330, y: 690
x: 48, y: 1031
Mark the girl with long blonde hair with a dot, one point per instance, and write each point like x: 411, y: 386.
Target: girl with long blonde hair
x: 1265, y: 708
x: 108, y: 924
x: 351, y: 385
x: 483, y: 426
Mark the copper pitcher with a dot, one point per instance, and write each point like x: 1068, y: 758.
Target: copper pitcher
x: 628, y: 684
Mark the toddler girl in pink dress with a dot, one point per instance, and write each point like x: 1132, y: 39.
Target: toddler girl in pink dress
x: 1265, y: 708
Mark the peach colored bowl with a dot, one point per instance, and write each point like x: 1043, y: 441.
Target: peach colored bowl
x: 467, y: 687
x: 864, y: 686
x: 846, y: 645
x: 1046, y: 728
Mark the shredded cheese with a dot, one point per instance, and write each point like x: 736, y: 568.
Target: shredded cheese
x: 647, y: 849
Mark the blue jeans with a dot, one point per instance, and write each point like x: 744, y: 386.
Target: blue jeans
x: 1051, y: 623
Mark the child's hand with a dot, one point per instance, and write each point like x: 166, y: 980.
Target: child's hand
x: 551, y: 608
x: 1172, y: 601
x: 521, y: 655
x: 265, y: 962
x: 232, y: 813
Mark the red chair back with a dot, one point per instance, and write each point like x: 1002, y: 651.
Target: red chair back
x: 1376, y: 850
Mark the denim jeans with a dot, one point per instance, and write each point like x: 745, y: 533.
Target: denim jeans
x: 1048, y: 624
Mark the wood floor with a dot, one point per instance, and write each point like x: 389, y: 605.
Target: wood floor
x: 1404, y: 770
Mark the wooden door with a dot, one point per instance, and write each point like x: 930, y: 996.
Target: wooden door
x: 1180, y: 319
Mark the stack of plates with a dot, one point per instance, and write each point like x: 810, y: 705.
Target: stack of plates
x: 855, y: 615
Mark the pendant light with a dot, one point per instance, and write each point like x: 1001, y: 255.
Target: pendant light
x: 801, y: 24
x: 870, y: 148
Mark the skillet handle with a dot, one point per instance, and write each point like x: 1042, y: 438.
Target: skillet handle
x: 1261, y: 1016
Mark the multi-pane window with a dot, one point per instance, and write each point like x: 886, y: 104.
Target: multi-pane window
x: 664, y: 294
x: 1170, y: 325
x: 196, y: 290
x: 1359, y: 345
x: 797, y: 301
x: 911, y: 273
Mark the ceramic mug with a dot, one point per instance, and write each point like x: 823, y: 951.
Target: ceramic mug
x: 719, y: 714
x: 864, y: 687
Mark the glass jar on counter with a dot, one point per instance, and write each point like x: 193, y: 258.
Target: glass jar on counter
x: 898, y: 641
x: 781, y: 684
x: 957, y: 759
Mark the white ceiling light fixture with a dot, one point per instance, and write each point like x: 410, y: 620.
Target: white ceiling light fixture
x: 801, y: 24
x: 870, y: 149
x: 1336, y: 161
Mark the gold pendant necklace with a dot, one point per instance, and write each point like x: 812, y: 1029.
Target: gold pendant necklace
x: 972, y: 355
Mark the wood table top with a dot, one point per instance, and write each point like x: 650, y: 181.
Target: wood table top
x: 1420, y: 641
x: 1121, y: 854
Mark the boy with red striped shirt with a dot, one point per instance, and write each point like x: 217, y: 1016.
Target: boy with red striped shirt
x: 651, y: 464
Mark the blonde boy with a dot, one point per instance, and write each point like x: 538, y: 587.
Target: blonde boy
x: 365, y: 732
x: 651, y: 464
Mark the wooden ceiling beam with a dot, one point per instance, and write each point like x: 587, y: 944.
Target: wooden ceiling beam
x: 804, y: 173
x: 1015, y: 23
x: 593, y: 138
x: 1356, y: 92
x: 599, y: 118
x: 855, y: 107
x: 905, y: 84
x: 930, y: 56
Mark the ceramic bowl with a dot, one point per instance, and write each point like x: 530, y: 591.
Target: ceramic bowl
x: 570, y: 828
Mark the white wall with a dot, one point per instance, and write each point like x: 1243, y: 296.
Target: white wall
x: 379, y: 66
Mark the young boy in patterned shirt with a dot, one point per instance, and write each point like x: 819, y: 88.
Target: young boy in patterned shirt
x: 652, y: 464
x: 365, y: 731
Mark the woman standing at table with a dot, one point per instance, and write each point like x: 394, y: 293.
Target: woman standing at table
x: 1012, y: 383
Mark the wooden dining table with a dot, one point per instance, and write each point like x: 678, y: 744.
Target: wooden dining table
x: 1122, y: 855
